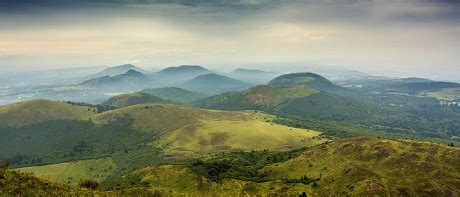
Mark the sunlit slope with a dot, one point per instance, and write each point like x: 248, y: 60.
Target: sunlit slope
x: 179, y: 180
x: 124, y: 100
x: 36, y: 111
x: 73, y: 172
x: 374, y: 166
x: 185, y: 130
x: 223, y: 135
x: 356, y: 167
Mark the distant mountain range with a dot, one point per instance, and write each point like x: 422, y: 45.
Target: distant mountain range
x: 254, y: 76
x: 117, y: 70
x: 178, y: 75
x: 214, y: 84
x: 131, y: 80
x: 175, y: 94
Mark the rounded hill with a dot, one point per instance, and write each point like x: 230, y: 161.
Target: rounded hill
x: 310, y: 80
x: 124, y: 100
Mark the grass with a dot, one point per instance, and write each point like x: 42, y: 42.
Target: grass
x: 36, y: 111
x: 124, y: 100
x: 347, y: 167
x: 73, y: 172
x: 266, y: 95
x: 373, y: 166
x: 178, y: 180
x: 449, y: 94
x: 215, y: 136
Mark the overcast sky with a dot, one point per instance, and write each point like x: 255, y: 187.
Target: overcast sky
x: 377, y: 36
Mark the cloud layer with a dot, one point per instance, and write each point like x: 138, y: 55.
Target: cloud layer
x: 373, y: 35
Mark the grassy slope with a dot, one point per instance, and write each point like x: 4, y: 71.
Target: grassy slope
x: 73, y: 172
x: 215, y: 136
x: 14, y: 183
x: 364, y: 165
x: 258, y: 97
x: 449, y: 94
x: 179, y: 180
x: 180, y: 131
x: 35, y: 111
x: 357, y: 166
x: 266, y: 95
x: 186, y: 130
x: 129, y: 99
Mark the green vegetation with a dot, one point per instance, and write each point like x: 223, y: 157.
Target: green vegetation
x: 175, y: 94
x: 209, y: 137
x: 354, y: 166
x: 309, y: 80
x: 75, y: 171
x: 107, y: 145
x: 124, y: 100
x: 387, y: 112
x: 361, y: 166
x: 67, y: 140
x: 240, y: 165
x: 448, y: 94
x: 37, y: 111
x: 14, y: 183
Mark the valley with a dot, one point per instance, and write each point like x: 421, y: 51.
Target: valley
x: 204, y: 134
x: 260, y: 98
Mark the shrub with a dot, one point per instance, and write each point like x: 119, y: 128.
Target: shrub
x: 89, y: 184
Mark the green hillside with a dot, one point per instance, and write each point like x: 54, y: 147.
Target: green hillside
x: 18, y: 183
x: 175, y: 94
x: 13, y: 183
x: 310, y: 80
x: 74, y: 171
x: 124, y: 100
x: 291, y: 100
x: 137, y: 135
x: 37, y: 111
x: 448, y: 94
x: 356, y: 167
x: 258, y: 96
x: 190, y: 131
x: 374, y: 166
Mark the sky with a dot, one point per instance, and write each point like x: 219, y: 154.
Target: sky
x: 403, y: 37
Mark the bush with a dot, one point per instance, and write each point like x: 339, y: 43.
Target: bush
x: 89, y: 184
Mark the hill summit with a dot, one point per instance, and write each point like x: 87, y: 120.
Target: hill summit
x: 214, y: 84
x: 117, y: 70
x: 124, y: 100
x: 310, y: 80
